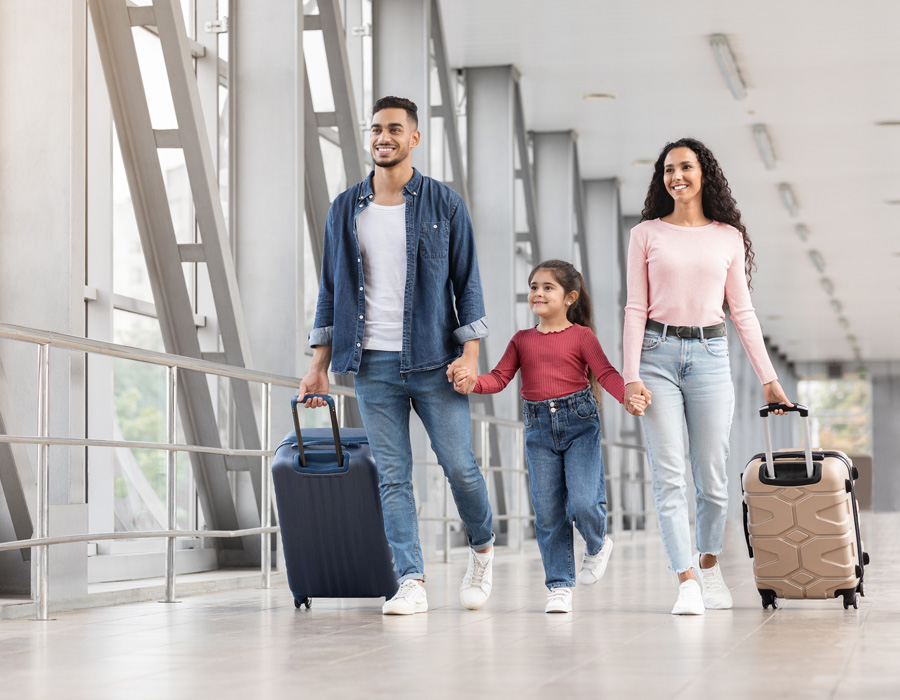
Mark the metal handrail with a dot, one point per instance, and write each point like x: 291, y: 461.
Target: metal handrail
x: 175, y: 363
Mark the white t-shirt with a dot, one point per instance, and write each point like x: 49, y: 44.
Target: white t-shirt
x: 381, y: 232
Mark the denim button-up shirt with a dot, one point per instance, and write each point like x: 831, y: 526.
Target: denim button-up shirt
x: 443, y: 306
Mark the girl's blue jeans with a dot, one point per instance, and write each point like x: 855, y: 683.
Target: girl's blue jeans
x: 690, y: 379
x: 565, y: 469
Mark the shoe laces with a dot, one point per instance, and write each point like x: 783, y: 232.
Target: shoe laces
x: 407, y: 589
x: 712, y: 581
x: 475, y: 573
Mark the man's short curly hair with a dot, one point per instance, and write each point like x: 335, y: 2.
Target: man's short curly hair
x: 391, y: 102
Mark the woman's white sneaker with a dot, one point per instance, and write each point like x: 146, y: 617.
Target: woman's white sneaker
x: 559, y: 601
x: 408, y: 600
x: 690, y: 599
x: 716, y: 595
x: 594, y: 566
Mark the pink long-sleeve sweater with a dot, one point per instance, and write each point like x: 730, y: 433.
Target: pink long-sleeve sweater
x: 680, y: 275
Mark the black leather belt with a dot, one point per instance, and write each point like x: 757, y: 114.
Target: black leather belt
x: 716, y: 331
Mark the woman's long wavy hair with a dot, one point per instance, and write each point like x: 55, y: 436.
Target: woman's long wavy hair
x: 718, y: 202
x: 580, y: 312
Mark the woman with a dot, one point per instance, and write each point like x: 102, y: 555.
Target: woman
x: 689, y: 254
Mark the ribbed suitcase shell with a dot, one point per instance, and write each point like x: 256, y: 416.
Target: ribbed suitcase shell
x: 803, y: 533
x: 332, y: 527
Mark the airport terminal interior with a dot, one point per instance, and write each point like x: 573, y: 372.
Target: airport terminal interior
x: 168, y: 167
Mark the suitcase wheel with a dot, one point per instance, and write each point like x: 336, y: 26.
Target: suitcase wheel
x: 768, y: 598
x: 866, y: 558
x: 306, y: 601
x: 851, y: 599
x: 861, y: 588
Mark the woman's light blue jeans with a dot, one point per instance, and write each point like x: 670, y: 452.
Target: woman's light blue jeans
x: 565, y: 471
x: 691, y: 383
x: 385, y: 397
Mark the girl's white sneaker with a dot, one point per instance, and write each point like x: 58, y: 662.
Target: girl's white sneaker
x: 594, y: 566
x: 559, y: 601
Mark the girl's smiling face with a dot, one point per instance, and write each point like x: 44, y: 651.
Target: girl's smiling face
x: 547, y: 298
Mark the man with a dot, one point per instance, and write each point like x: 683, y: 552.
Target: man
x: 400, y: 306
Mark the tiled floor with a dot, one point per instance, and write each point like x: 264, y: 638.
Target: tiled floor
x: 620, y: 642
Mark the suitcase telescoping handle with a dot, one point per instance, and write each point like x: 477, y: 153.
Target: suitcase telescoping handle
x: 334, y: 426
x: 804, y: 422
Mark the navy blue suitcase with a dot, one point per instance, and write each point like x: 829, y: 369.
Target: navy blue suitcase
x: 332, y: 528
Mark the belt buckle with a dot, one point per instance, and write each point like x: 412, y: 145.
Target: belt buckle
x: 679, y: 329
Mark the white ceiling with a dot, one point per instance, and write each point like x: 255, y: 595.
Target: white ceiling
x: 819, y: 73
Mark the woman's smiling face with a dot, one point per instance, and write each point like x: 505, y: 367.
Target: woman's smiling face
x: 682, y: 175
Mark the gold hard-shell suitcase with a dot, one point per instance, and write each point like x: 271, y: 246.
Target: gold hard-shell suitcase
x: 801, y: 521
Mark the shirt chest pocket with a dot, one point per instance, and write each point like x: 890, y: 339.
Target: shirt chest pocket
x: 434, y: 239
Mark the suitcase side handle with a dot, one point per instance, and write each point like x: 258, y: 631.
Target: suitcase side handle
x: 334, y: 426
x: 804, y: 422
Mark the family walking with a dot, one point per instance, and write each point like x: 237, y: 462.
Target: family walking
x: 400, y: 306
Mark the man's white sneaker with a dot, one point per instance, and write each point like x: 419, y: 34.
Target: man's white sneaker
x: 408, y: 600
x: 478, y: 581
x: 716, y: 595
x: 690, y: 599
x: 559, y: 601
x: 594, y: 566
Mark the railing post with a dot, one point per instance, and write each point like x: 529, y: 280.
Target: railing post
x: 43, y: 495
x: 265, y: 498
x: 446, y: 522
x: 522, y: 487
x: 171, y: 479
x: 486, y: 455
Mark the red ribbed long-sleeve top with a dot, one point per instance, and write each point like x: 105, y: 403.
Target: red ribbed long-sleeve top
x: 553, y: 365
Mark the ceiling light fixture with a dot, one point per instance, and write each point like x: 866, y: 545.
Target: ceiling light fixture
x: 788, y: 198
x: 802, y: 232
x: 836, y: 305
x: 888, y: 122
x: 843, y: 323
x: 599, y: 96
x: 725, y: 58
x: 827, y: 285
x: 641, y: 162
x: 764, y: 145
x: 817, y: 260
x: 892, y: 202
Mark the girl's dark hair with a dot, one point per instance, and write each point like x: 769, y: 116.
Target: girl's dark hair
x: 580, y: 312
x: 718, y: 202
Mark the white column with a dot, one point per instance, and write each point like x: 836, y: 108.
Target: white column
x: 554, y: 169
x: 266, y: 83
x: 401, y: 32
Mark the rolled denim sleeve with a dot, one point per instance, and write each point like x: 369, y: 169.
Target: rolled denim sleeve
x: 465, y: 277
x: 321, y: 336
x: 471, y: 331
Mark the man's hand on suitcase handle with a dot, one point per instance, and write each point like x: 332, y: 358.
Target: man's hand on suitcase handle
x: 315, y: 382
x: 775, y: 394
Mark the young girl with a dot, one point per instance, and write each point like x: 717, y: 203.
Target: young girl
x: 562, y: 362
x: 690, y: 252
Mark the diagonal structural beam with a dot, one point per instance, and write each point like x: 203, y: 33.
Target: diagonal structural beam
x: 153, y: 215
x: 210, y: 216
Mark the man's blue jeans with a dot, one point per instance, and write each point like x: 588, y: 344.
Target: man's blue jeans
x: 691, y: 383
x: 565, y: 472
x: 385, y: 397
